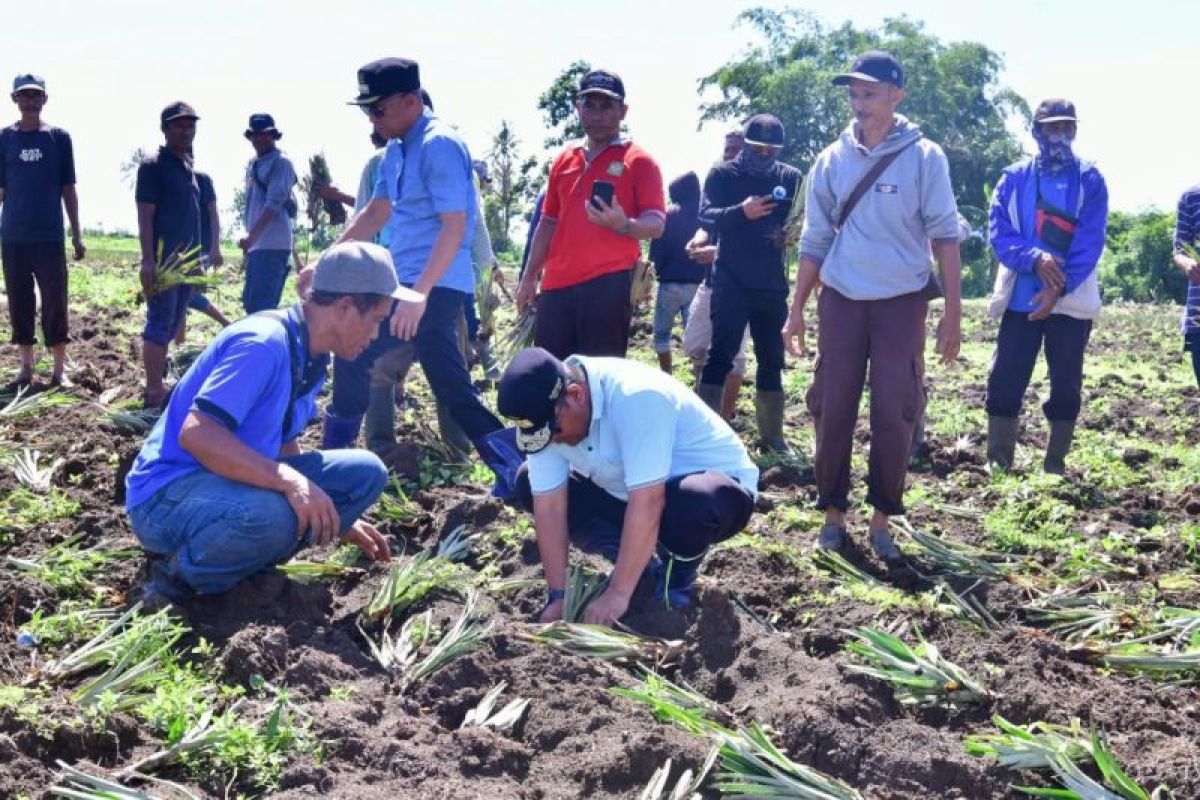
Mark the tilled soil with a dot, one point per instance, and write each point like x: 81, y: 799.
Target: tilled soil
x: 764, y: 640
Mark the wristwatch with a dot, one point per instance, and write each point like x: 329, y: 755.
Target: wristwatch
x: 624, y: 229
x: 555, y: 594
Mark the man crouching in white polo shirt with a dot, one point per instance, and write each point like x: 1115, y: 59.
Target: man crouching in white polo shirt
x: 629, y: 463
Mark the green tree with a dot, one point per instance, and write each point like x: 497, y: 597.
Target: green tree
x: 512, y: 180
x: 557, y: 105
x: 954, y: 92
x: 1138, y: 260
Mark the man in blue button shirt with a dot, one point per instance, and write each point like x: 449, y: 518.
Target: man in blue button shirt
x: 425, y: 195
x: 220, y: 489
x: 629, y: 463
x: 270, y: 210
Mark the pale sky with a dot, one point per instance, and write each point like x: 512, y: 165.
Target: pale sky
x: 112, y: 65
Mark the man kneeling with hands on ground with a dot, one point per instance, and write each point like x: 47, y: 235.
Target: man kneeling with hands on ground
x: 630, y: 464
x: 220, y: 490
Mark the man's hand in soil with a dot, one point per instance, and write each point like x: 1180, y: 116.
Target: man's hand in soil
x: 146, y: 274
x: 949, y: 335
x: 407, y: 318
x: 601, y: 213
x: 1049, y: 269
x: 370, y: 541
x: 1043, y: 304
x: 757, y: 207
x: 315, y: 512
x: 606, y: 609
x: 553, y: 612
x: 793, y: 335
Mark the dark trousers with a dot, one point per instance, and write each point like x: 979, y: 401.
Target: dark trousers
x: 440, y: 356
x: 1017, y: 347
x: 857, y: 340
x: 731, y: 309
x: 1191, y: 343
x: 46, y: 264
x: 701, y: 509
x: 589, y: 319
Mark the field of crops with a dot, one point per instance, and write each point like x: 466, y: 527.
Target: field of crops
x: 1044, y: 632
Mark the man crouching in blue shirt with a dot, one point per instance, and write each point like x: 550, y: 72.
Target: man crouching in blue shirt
x: 220, y: 489
x: 629, y: 463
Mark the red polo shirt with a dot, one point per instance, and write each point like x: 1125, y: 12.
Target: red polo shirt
x: 582, y: 250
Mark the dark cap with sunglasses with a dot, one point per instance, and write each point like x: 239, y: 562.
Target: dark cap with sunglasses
x: 384, y: 77
x: 528, y: 393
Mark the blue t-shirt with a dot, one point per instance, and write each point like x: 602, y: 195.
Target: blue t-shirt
x: 169, y: 184
x: 34, y: 168
x: 425, y: 174
x: 244, y: 380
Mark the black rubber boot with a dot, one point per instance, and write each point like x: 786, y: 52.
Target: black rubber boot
x: 1062, y: 433
x: 768, y: 412
x: 1002, y: 442
x: 711, y: 395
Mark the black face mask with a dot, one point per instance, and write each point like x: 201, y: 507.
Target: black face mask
x: 756, y: 163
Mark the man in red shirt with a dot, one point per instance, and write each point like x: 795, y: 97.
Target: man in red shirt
x: 604, y: 196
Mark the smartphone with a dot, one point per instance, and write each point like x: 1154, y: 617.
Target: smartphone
x: 603, y: 190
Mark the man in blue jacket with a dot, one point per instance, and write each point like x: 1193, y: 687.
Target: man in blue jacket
x: 747, y: 201
x: 1047, y: 227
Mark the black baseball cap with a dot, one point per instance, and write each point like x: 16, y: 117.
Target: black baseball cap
x: 385, y: 77
x: 529, y: 390
x: 600, y: 81
x: 29, y: 81
x: 178, y: 110
x: 763, y: 129
x: 1056, y: 109
x: 875, y: 66
x: 262, y: 123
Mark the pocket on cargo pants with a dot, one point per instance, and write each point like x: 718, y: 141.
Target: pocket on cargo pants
x: 812, y: 398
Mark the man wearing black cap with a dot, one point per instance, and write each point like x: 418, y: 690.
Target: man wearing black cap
x: 1047, y: 226
x: 879, y: 208
x: 628, y: 463
x: 170, y: 208
x: 37, y: 180
x: 426, y: 195
x: 270, y: 210
x: 746, y: 202
x: 604, y: 196
x: 220, y: 489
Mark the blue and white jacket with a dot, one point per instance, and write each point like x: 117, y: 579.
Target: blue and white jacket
x: 1017, y: 246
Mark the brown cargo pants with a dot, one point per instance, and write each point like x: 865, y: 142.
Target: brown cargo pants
x: 883, y: 340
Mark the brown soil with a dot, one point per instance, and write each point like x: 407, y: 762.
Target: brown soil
x: 579, y: 740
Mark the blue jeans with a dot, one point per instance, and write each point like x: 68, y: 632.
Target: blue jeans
x: 673, y: 300
x: 164, y: 312
x: 213, y: 532
x: 441, y: 358
x: 266, y: 273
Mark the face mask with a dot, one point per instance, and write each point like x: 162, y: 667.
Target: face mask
x: 755, y: 162
x: 1054, y: 149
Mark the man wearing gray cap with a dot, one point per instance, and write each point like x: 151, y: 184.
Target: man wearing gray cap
x: 220, y: 489
x: 37, y: 180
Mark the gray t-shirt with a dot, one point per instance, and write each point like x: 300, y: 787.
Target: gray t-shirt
x: 269, y: 182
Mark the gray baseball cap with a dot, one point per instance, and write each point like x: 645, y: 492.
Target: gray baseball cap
x: 360, y: 268
x: 29, y: 81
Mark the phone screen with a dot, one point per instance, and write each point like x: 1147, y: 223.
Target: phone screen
x: 604, y: 191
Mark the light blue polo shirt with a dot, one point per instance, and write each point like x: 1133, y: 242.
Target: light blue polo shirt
x: 425, y: 174
x: 243, y: 379
x: 646, y: 428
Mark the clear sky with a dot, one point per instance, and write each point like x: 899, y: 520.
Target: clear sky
x: 111, y: 65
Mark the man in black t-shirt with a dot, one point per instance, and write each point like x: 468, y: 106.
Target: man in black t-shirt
x: 747, y: 202
x: 37, y: 179
x: 170, y: 210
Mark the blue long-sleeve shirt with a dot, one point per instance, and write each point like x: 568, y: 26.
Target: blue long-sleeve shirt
x: 1187, y: 232
x: 1012, y: 225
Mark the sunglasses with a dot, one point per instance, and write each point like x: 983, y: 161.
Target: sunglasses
x: 376, y: 110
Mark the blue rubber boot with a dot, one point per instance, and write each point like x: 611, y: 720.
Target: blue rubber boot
x: 676, y: 577
x: 498, y: 450
x: 340, y: 432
